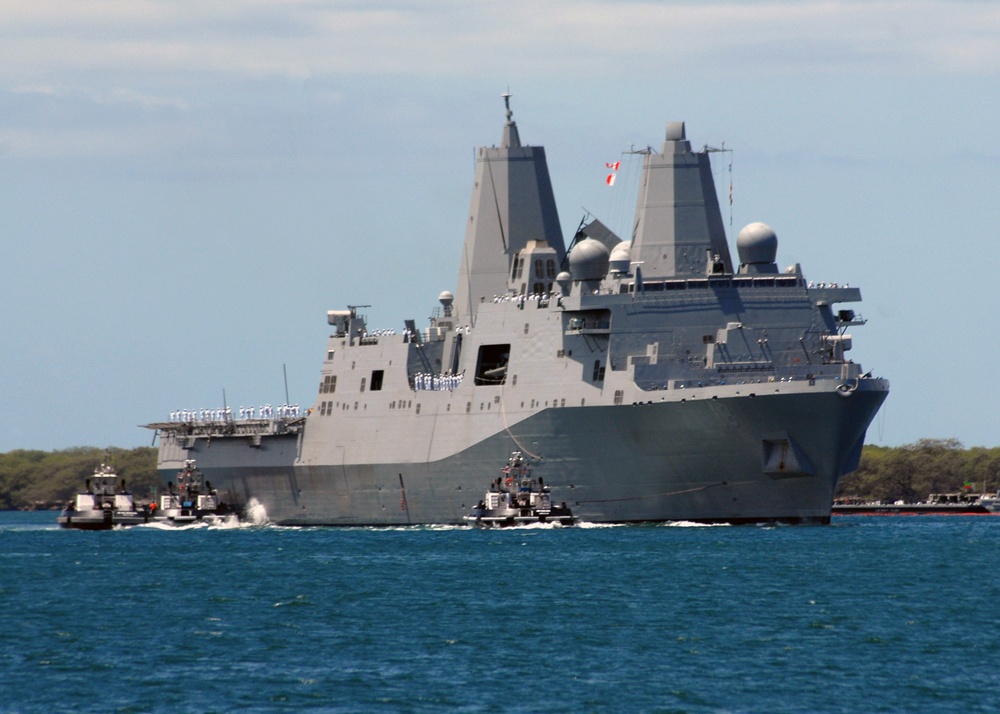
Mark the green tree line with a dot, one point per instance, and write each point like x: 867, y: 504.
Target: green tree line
x: 911, y: 472
x: 48, y: 479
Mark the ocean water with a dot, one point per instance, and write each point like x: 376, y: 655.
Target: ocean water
x: 889, y: 614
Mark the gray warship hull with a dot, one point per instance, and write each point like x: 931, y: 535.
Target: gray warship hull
x: 645, y: 380
x: 725, y: 459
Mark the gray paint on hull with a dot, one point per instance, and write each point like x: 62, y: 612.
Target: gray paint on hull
x: 692, y: 460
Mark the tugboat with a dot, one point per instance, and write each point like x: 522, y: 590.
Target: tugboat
x: 193, y: 501
x: 515, y: 498
x: 102, y: 505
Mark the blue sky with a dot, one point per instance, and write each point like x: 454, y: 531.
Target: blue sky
x: 187, y: 188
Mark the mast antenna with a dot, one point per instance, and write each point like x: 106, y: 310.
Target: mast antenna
x: 729, y: 167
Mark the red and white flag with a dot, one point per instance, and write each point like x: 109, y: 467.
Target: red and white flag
x: 610, y: 180
x: 614, y: 166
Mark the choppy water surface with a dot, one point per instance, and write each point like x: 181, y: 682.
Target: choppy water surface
x: 868, y: 614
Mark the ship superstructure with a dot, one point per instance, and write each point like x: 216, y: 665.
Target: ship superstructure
x: 650, y: 379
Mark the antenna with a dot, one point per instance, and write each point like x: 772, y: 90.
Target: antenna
x: 723, y: 150
x: 285, y: 370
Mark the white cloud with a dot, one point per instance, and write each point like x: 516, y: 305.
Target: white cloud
x: 90, y: 143
x: 299, y: 38
x: 103, y: 97
x: 141, y: 76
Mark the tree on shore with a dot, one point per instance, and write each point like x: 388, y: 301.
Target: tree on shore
x: 48, y: 479
x: 913, y: 471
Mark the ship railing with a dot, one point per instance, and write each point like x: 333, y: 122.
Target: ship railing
x: 584, y: 326
x: 737, y: 281
x: 238, y: 428
x: 743, y: 367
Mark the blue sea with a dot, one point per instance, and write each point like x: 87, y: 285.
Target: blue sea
x: 887, y: 614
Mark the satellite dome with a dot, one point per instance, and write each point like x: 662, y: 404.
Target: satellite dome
x: 757, y: 243
x: 564, y: 280
x: 446, y: 298
x: 589, y: 260
x: 620, y: 257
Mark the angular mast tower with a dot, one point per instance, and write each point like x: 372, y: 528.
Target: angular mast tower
x: 678, y: 229
x: 512, y: 203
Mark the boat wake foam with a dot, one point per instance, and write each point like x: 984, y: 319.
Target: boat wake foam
x: 164, y: 526
x: 255, y: 513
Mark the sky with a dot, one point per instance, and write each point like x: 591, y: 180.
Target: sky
x: 187, y: 188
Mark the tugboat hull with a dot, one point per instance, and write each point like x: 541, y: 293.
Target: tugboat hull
x: 101, y: 520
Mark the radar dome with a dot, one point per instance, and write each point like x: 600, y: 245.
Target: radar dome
x: 446, y: 298
x: 620, y: 257
x: 565, y: 281
x: 757, y: 243
x: 589, y: 260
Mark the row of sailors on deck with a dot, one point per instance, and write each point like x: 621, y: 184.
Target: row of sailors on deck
x: 446, y: 382
x: 521, y: 298
x: 285, y: 411
x: 370, y: 338
x: 190, y: 415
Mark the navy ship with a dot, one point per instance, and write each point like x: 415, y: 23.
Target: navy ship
x: 646, y: 379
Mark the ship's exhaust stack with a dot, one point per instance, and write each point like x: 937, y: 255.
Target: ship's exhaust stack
x: 679, y: 230
x: 512, y: 204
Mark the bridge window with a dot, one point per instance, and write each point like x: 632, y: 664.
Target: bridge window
x: 518, y: 267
